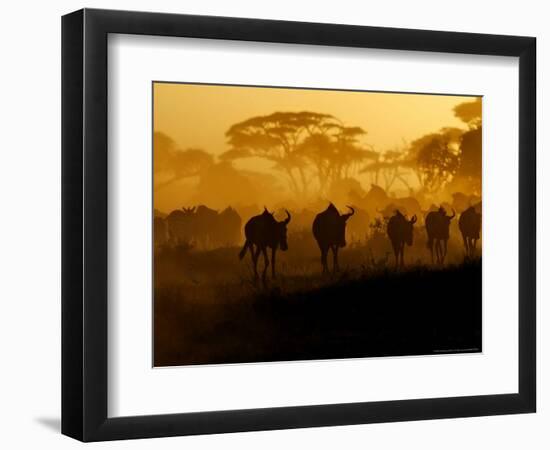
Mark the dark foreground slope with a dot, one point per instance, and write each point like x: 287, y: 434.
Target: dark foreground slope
x: 419, y: 311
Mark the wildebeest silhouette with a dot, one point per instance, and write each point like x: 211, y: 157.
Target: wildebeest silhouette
x: 375, y: 198
x: 161, y: 235
x: 400, y: 232
x: 228, y: 227
x: 329, y: 230
x: 461, y: 202
x: 469, y: 224
x: 263, y: 231
x: 437, y: 227
x: 205, y: 226
x: 202, y: 227
x: 181, y: 226
x: 358, y: 225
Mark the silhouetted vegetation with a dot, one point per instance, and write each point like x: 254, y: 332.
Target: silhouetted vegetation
x: 364, y: 313
x: 298, y: 239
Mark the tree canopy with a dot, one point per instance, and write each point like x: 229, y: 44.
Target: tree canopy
x: 469, y: 113
x: 172, y: 164
x: 305, y: 146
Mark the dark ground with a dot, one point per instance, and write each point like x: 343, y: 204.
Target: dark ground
x: 375, y: 312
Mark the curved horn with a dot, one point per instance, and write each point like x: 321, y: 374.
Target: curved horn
x: 347, y: 216
x: 288, y: 217
x: 413, y: 219
x: 454, y: 214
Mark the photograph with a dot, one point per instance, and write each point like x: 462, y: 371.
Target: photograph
x: 294, y: 224
x: 275, y: 225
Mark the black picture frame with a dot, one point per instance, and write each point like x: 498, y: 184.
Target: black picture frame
x: 84, y: 224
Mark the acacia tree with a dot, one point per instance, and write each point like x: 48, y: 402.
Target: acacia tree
x: 277, y: 137
x: 435, y: 158
x: 172, y: 164
x: 303, y: 145
x: 437, y: 163
x: 470, y: 154
x: 469, y: 113
x: 335, y: 154
x: 451, y: 157
x: 469, y: 170
x: 387, y: 168
x: 349, y: 152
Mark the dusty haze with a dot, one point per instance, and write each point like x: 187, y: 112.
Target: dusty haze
x: 198, y: 162
x: 296, y: 224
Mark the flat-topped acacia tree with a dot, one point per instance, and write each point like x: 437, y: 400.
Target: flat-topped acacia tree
x: 306, y: 146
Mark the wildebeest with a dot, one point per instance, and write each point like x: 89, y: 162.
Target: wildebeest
x: 329, y: 230
x: 358, y: 225
x: 201, y: 227
x: 181, y: 226
x: 376, y: 198
x: 461, y: 202
x: 469, y: 224
x: 400, y: 232
x: 227, y: 230
x: 437, y: 227
x: 408, y: 205
x: 205, y: 226
x: 160, y: 233
x: 261, y: 232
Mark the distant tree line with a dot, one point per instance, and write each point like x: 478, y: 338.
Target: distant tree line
x: 317, y: 153
x: 305, y: 146
x: 449, y: 158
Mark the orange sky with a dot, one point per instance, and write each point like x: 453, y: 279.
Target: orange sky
x: 199, y: 115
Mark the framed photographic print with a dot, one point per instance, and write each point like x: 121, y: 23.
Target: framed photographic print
x: 273, y: 224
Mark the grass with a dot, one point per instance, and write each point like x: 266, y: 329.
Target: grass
x: 208, y: 310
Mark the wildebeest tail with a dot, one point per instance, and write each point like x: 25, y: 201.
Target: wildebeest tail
x: 244, y: 249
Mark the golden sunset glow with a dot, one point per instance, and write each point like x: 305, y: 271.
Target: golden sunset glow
x: 198, y: 117
x: 296, y: 224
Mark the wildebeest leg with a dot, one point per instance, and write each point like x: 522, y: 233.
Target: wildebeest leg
x: 431, y: 245
x: 266, y: 263
x: 335, y: 267
x: 273, y: 263
x: 444, y: 255
x: 396, y: 250
x: 324, y: 251
x: 473, y: 245
x: 402, y: 254
x: 466, y: 245
x: 255, y: 252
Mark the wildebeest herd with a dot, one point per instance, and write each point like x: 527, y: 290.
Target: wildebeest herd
x: 204, y: 226
x: 262, y: 232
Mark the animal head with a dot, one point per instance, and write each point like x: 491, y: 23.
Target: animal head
x: 340, y: 224
x: 409, y: 229
x: 444, y: 215
x: 281, y: 231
